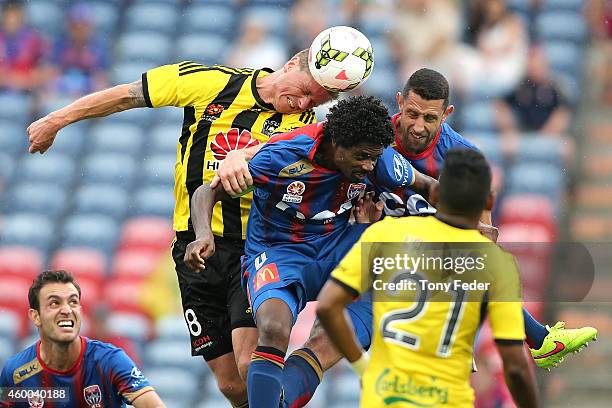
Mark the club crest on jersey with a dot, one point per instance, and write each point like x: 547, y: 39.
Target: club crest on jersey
x: 36, y: 401
x: 294, y: 192
x: 354, y: 190
x: 93, y: 396
x: 269, y: 126
x: 223, y: 143
x: 212, y: 112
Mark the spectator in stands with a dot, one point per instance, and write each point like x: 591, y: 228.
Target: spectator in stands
x: 21, y: 51
x: 502, y: 42
x: 536, y: 104
x: 79, y: 61
x: 427, y: 33
x: 255, y: 46
x: 62, y: 357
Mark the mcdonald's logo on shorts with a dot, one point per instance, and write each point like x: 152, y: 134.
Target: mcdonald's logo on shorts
x: 267, y: 274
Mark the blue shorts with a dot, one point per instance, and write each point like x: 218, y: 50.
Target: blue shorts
x: 296, y: 272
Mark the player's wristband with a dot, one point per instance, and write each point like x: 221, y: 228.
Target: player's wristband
x: 361, y: 364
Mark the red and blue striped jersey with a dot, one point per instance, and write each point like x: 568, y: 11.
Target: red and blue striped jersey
x: 404, y: 201
x: 295, y: 200
x: 102, y: 377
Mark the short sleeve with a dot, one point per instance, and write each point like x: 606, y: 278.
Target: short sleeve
x: 127, y: 380
x: 393, y: 171
x: 178, y: 85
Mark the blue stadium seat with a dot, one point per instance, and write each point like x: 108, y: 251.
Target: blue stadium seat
x: 71, y: 139
x: 537, y: 178
x: 164, y: 138
x: 37, y: 197
x: 145, y: 46
x: 111, y: 168
x: 171, y: 117
x: 210, y: 18
x: 156, y: 201
x: 7, y: 168
x: 116, y: 138
x: 16, y: 108
x: 172, y: 327
x: 383, y: 54
x: 171, y: 353
x: 7, y: 349
x: 381, y: 83
x: 276, y: 18
x: 52, y: 168
x: 571, y: 5
x: 203, y: 48
x: 151, y: 16
x: 564, y: 56
x: 561, y: 25
x: 478, y: 116
x: 490, y: 147
x: 128, y: 71
x: 13, y: 138
x: 570, y: 86
x: 28, y: 229
x: 46, y: 16
x: 132, y: 325
x: 159, y: 169
x: 104, y: 199
x: 174, y: 383
x: 91, y: 231
x: 55, y: 102
x: 140, y: 117
x: 374, y: 24
x: 520, y: 6
x: 536, y: 148
x: 105, y: 15
x: 346, y: 388
x: 9, y: 325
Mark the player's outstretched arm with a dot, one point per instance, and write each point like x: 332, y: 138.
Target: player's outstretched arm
x: 148, y: 400
x: 233, y: 172
x: 202, y: 203
x: 519, y: 376
x: 331, y: 305
x: 119, y: 98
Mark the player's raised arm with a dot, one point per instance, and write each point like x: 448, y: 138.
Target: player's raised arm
x: 116, y: 99
x: 202, y: 203
x: 518, y: 374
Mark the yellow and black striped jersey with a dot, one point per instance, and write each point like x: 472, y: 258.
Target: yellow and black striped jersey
x: 223, y: 111
x: 422, y: 346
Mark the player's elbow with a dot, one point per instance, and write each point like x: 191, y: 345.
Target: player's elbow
x: 326, y: 307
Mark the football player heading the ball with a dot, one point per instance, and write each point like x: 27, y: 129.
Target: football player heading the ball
x: 240, y: 106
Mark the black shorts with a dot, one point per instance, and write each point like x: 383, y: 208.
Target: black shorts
x: 213, y: 300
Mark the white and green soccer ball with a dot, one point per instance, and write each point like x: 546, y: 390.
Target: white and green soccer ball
x: 340, y: 58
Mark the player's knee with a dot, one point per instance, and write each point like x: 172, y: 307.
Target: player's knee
x: 233, y: 388
x: 273, y: 333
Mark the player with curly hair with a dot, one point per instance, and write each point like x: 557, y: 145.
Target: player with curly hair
x: 306, y: 183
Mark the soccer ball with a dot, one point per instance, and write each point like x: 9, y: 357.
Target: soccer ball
x: 340, y: 58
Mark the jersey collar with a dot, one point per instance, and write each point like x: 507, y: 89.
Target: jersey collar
x: 406, y: 154
x: 72, y: 369
x: 258, y: 99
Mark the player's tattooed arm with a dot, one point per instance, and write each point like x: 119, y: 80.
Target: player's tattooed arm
x: 42, y: 133
x: 202, y: 204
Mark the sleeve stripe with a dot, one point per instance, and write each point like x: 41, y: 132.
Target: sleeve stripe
x: 346, y: 287
x: 131, y: 396
x: 509, y: 342
x: 145, y: 90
